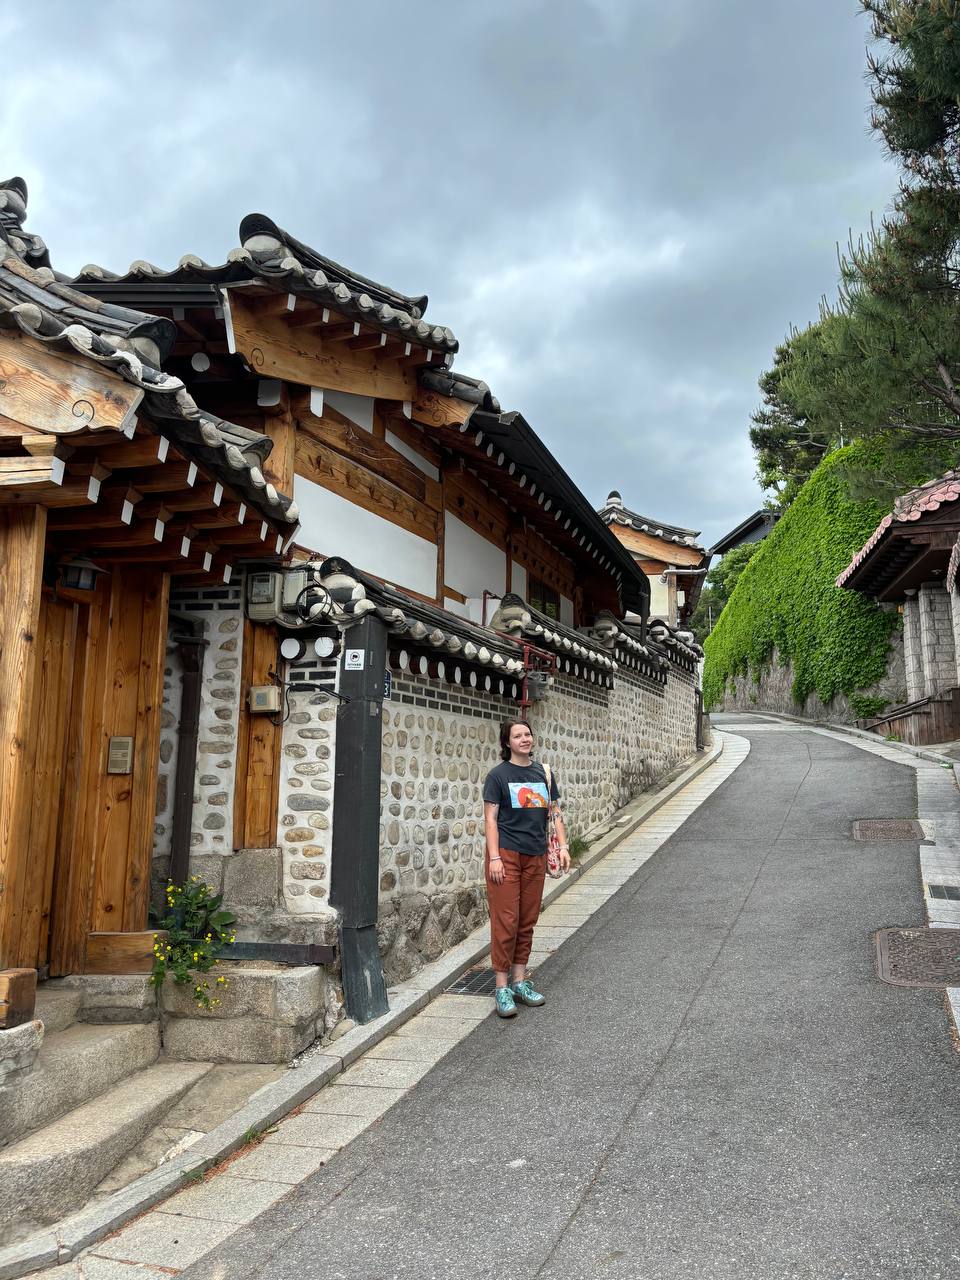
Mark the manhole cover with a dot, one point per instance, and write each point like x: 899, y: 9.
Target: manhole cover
x: 475, y: 982
x: 887, y: 829
x: 919, y: 957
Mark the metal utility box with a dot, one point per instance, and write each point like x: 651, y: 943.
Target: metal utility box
x: 264, y: 595
x: 263, y: 698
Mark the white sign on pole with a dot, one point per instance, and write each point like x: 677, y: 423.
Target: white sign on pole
x: 353, y: 659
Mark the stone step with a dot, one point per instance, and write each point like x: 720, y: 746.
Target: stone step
x: 58, y: 1006
x: 52, y: 1172
x: 72, y: 1067
x: 213, y: 1099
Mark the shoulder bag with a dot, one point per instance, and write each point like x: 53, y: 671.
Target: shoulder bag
x: 553, y: 840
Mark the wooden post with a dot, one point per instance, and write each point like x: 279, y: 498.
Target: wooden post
x: 280, y: 426
x: 22, y: 535
x: 257, y: 785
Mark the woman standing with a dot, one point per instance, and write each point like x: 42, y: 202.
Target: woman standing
x: 516, y: 801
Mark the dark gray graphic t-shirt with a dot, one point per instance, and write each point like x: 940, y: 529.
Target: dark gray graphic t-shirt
x: 521, y: 794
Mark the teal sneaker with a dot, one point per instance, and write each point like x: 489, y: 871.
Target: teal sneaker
x: 525, y: 993
x: 506, y: 1005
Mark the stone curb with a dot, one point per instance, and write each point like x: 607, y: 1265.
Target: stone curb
x: 922, y: 753
x: 62, y: 1243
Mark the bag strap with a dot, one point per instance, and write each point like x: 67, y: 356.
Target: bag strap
x: 549, y: 775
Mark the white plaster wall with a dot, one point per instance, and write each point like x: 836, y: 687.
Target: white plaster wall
x: 333, y: 525
x: 423, y: 464
x: 471, y: 564
x: 358, y: 409
x: 659, y: 598
x: 518, y: 579
x: 456, y: 606
x: 566, y: 611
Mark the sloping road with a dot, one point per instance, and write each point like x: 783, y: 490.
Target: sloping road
x: 719, y: 1086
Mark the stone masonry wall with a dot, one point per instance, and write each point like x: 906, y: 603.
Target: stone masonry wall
x: 773, y: 691
x: 936, y: 639
x: 955, y: 623
x: 912, y: 649
x: 439, y: 743
x: 212, y: 826
x: 306, y: 803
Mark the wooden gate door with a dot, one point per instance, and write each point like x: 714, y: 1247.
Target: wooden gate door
x: 58, y: 665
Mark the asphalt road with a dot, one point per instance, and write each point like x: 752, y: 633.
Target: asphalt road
x: 718, y: 1087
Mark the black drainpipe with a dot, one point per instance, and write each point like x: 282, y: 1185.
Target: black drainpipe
x: 190, y: 645
x: 355, y: 851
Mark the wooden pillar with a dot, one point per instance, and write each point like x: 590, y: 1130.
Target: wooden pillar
x: 279, y: 424
x: 22, y: 535
x: 257, y: 788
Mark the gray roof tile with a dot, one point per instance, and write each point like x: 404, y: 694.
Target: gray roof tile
x: 35, y: 302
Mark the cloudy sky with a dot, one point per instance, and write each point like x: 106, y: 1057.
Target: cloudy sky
x: 619, y: 206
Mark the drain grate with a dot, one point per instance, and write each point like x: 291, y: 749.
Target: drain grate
x: 949, y: 891
x: 475, y: 982
x: 887, y: 829
x: 919, y: 957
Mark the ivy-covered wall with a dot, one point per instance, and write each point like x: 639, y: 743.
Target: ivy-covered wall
x: 786, y: 612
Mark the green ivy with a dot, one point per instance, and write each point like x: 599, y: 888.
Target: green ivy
x: 865, y: 708
x: 785, y: 599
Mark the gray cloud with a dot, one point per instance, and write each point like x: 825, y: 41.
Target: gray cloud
x: 619, y: 207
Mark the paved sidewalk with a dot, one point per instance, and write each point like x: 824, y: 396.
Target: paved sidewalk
x: 719, y: 1085
x: 190, y: 1223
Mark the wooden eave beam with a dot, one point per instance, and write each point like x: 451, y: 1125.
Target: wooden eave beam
x: 918, y: 569
x: 434, y: 410
x: 61, y: 393
x: 358, y: 447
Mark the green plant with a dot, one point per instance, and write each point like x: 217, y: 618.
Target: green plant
x: 865, y: 708
x: 578, y: 847
x: 786, y: 600
x: 197, y: 930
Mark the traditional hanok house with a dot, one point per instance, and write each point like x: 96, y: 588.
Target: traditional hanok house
x: 670, y: 556
x: 447, y: 573
x: 114, y: 488
x: 113, y: 484
x: 910, y: 562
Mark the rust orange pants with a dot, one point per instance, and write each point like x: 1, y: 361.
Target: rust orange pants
x: 514, y: 907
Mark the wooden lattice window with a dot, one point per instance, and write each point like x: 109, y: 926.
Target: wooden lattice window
x: 544, y: 598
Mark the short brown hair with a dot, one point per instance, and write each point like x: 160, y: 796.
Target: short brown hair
x: 505, y: 735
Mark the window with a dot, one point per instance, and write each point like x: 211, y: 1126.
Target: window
x: 542, y: 597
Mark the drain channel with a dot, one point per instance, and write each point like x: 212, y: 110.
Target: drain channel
x: 887, y: 829
x: 475, y: 982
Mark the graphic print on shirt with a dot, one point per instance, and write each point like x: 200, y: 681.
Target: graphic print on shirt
x: 528, y: 795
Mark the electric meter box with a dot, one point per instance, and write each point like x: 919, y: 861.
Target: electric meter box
x: 264, y: 593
